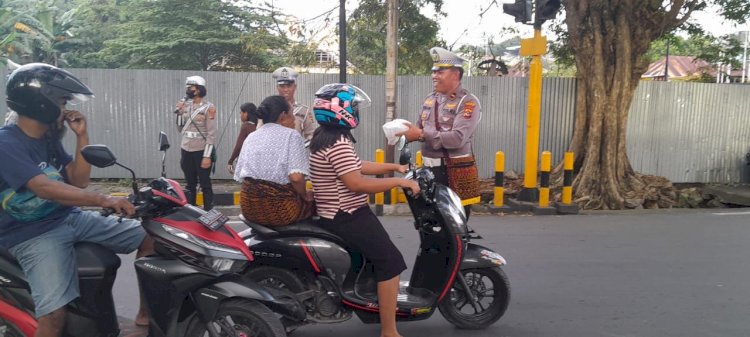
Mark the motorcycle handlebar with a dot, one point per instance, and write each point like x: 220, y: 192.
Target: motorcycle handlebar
x: 139, y: 210
x: 105, y: 212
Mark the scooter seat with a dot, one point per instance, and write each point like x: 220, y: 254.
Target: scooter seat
x: 92, y: 259
x: 305, y: 228
x: 5, y: 255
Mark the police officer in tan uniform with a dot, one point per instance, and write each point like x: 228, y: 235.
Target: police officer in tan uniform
x: 458, y: 114
x: 286, y: 85
x: 196, y: 122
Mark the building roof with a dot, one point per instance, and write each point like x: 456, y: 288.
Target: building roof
x: 679, y: 67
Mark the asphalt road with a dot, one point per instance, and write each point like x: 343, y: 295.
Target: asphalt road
x: 664, y: 273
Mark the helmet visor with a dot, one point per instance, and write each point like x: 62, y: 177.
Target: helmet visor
x: 361, y: 97
x: 75, y: 99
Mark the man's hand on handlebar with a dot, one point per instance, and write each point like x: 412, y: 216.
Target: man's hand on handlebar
x: 118, y: 204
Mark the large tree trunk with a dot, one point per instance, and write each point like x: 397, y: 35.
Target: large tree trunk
x: 608, y: 39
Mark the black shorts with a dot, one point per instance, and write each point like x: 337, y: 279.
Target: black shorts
x: 364, y: 232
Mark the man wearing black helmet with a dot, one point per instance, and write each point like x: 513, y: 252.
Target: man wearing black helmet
x: 41, y: 186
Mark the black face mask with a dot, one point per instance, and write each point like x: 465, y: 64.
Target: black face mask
x: 190, y: 93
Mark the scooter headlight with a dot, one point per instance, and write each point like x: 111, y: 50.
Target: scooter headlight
x: 457, y: 210
x: 223, y: 259
x: 223, y: 265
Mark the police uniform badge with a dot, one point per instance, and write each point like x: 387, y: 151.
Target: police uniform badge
x: 284, y: 75
x: 469, y: 109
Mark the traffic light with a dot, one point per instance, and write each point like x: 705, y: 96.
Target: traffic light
x: 521, y: 10
x: 546, y: 10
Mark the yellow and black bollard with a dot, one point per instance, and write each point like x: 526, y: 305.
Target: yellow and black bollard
x: 544, y: 179
x: 567, y: 190
x: 379, y: 197
x: 566, y: 205
x: 543, y: 207
x: 497, y: 200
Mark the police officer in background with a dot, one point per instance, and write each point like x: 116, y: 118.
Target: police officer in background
x: 286, y: 85
x: 196, y: 121
x: 449, y: 116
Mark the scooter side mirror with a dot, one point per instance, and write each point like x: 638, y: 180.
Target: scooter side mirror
x: 163, y: 141
x: 405, y: 157
x: 98, y: 155
x: 401, y: 143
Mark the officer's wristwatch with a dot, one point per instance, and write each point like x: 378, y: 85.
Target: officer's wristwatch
x: 421, y: 137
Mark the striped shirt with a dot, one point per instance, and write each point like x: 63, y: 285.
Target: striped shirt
x: 326, y: 168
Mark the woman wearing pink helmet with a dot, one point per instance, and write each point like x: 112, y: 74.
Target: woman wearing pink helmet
x: 341, y: 189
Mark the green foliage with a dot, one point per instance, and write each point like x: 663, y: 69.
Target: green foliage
x: 734, y: 10
x: 36, y: 31
x: 366, y: 30
x: 725, y: 49
x: 198, y: 34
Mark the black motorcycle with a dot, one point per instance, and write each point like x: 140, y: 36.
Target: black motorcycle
x: 192, y: 285
x: 464, y: 280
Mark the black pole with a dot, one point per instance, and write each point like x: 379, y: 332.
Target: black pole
x: 342, y: 41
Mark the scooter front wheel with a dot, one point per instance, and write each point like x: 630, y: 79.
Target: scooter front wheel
x: 490, y: 290
x: 240, y: 318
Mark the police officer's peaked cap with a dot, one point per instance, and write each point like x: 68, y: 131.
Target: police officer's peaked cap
x: 195, y: 80
x: 284, y: 75
x: 443, y: 59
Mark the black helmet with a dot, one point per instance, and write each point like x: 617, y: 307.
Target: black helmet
x: 36, y: 90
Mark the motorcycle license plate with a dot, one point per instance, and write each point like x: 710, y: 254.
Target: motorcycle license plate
x: 213, y: 219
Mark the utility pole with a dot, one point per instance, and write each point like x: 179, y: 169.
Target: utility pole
x: 744, y: 57
x: 391, y: 69
x: 666, y: 64
x: 342, y: 41
x: 535, y: 47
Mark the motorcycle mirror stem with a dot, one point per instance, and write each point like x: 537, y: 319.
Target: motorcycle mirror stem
x: 163, y: 146
x: 100, y: 156
x: 132, y: 174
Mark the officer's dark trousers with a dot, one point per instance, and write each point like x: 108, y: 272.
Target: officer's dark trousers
x: 191, y: 166
x: 441, y: 176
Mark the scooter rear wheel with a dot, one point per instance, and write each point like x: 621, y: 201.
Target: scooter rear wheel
x: 241, y: 318
x: 9, y: 330
x: 491, y: 290
x: 282, y: 280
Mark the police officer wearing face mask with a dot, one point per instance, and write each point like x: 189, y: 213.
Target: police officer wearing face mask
x: 196, y: 122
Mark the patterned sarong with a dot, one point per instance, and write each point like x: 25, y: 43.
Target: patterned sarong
x: 271, y: 204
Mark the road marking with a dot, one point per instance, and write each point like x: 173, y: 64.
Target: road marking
x: 732, y: 213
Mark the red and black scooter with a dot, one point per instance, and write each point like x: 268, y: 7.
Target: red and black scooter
x: 192, y: 285
x: 451, y: 273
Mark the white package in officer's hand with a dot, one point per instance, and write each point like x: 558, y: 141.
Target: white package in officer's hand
x: 394, y: 127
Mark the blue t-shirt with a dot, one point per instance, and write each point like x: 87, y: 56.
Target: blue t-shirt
x: 23, y: 215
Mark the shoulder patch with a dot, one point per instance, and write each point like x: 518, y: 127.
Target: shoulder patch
x: 212, y: 112
x: 469, y: 109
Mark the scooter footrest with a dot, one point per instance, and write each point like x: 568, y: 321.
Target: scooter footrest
x: 407, y: 298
